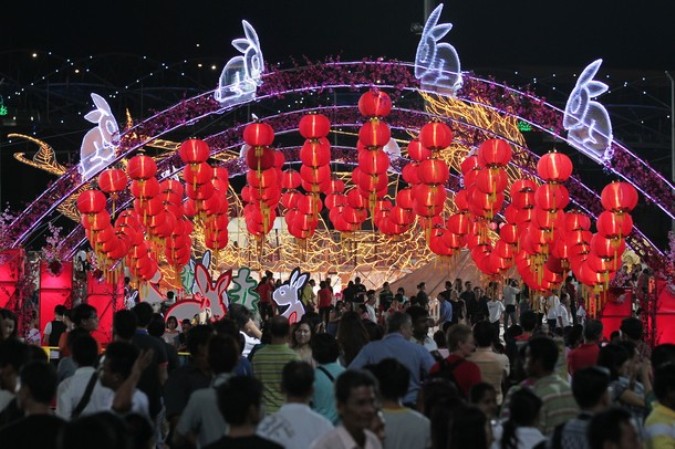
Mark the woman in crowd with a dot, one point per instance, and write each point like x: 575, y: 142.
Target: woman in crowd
x: 352, y: 335
x: 8, y: 324
x: 520, y: 430
x: 171, y: 332
x: 301, y: 337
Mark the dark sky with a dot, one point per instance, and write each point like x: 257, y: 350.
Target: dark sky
x: 487, y: 33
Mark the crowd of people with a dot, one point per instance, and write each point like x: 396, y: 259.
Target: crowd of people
x: 480, y: 367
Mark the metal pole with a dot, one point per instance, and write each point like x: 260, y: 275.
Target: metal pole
x: 672, y: 132
x: 428, y: 7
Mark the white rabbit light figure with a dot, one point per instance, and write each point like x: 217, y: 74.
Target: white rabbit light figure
x: 437, y: 64
x: 242, y: 75
x: 288, y: 294
x: 587, y: 122
x: 98, y: 145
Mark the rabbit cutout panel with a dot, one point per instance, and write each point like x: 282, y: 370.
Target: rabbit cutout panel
x: 98, y: 145
x: 587, y: 122
x: 242, y: 74
x: 210, y: 298
x: 287, y: 296
x: 437, y: 63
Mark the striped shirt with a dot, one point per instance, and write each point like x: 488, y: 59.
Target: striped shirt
x: 660, y: 428
x: 558, y: 405
x: 268, y: 362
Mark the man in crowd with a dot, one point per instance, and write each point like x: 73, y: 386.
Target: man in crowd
x: 56, y: 327
x: 420, y: 331
x: 445, y: 310
x: 471, y: 302
x: 269, y: 360
x: 295, y: 425
x: 660, y: 424
x: 325, y: 351
x: 462, y: 372
x: 84, y: 317
x: 510, y: 293
x: 633, y: 331
x: 396, y: 344
x: 386, y: 297
x: 613, y: 429
x: 494, y: 368
x: 356, y: 395
x: 121, y: 371
x: 587, y: 353
x: 552, y: 311
x: 370, y: 306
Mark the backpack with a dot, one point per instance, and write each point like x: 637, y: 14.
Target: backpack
x: 446, y: 371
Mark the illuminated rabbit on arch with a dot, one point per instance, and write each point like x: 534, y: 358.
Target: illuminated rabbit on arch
x: 437, y: 64
x: 288, y: 295
x: 242, y: 74
x: 98, y: 145
x: 588, y: 122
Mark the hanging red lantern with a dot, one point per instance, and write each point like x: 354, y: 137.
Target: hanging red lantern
x: 356, y: 200
x: 429, y: 196
x: 194, y: 151
x: 436, y: 135
x: 401, y: 216
x: 375, y: 103
x: 491, y: 180
x: 462, y: 200
x: 433, y: 171
x: 509, y: 233
x: 607, y: 247
x: 373, y: 161
x: 313, y: 126
x: 612, y: 224
x: 316, y: 152
x: 258, y: 135
x: 336, y: 186
x: 290, y: 179
x: 374, y: 133
x: 141, y: 167
x: 551, y: 196
x: 112, y: 180
x: 201, y: 192
x: 90, y: 202
x: 578, y: 237
x: 494, y: 152
x: 405, y: 199
x: 522, y: 185
x: 260, y: 158
x: 619, y: 197
x: 576, y: 220
x: 198, y: 174
x: 554, y: 167
x: 417, y: 151
x: 470, y: 163
x: 522, y: 199
x: 315, y: 175
x: 264, y: 179
x: 409, y: 174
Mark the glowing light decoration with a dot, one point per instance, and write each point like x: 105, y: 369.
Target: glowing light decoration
x: 99, y: 144
x: 587, y: 122
x: 437, y: 64
x: 288, y: 296
x: 242, y: 74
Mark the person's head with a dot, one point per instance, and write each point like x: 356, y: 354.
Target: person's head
x: 239, y: 401
x: 197, y: 340
x: 156, y: 326
x: 85, y: 316
x: 140, y: 431
x: 393, y: 379
x: 279, y: 329
x: 37, y: 385
x: 170, y: 295
x: 400, y: 322
x: 356, y: 396
x: 524, y: 408
x: 439, y: 339
x: 84, y: 350
x: 357, y: 280
x: 470, y: 428
x: 593, y: 331
x: 370, y: 297
x: 59, y: 311
x: 13, y: 355
x: 117, y: 363
x: 185, y: 325
x: 8, y: 324
x: 631, y: 328
x: 301, y: 335
x: 484, y: 396
x: 325, y: 348
x: 590, y: 388
x: 613, y: 429
x: 483, y: 334
x: 172, y: 323
x: 143, y: 312
x: 400, y: 291
x: 460, y: 340
x: 297, y: 380
x: 223, y: 353
x: 386, y: 287
x: 124, y: 324
x: 108, y: 430
x: 421, y: 286
x: 664, y: 384
x: 541, y: 356
x: 528, y: 320
x: 420, y: 320
x: 615, y: 358
x: 467, y: 286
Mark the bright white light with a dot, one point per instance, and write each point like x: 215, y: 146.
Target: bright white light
x: 99, y: 144
x: 437, y: 64
x: 587, y: 122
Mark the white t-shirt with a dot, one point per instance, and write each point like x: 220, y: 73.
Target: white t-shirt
x: 564, y: 315
x: 495, y: 309
x: 553, y: 305
x: 294, y: 426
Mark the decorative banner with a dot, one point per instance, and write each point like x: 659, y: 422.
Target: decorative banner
x: 588, y: 122
x: 244, y: 290
x: 437, y: 64
x: 288, y: 296
x: 210, y: 299
x: 187, y: 275
x: 11, y: 267
x: 242, y: 75
x: 98, y: 145
x: 107, y: 298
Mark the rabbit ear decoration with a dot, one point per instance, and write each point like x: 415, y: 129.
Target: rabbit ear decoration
x: 202, y: 278
x: 294, y: 276
x: 596, y: 88
x: 433, y: 19
x: 93, y: 116
x: 241, y: 44
x: 440, y: 30
x: 206, y: 259
x: 101, y: 103
x: 301, y: 280
x: 224, y: 281
x: 251, y: 34
x: 589, y: 72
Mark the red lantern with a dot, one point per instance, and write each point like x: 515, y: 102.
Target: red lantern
x: 198, y: 174
x: 316, y: 152
x: 266, y: 178
x: 433, y: 171
x: 470, y: 163
x: 290, y: 179
x: 258, y: 135
x: 612, y: 224
x: 576, y: 220
x: 604, y: 247
x: 523, y: 185
x: 494, y: 152
x: 313, y: 126
x: 194, y: 151
x: 374, y: 133
x: 141, y: 167
x: 619, y: 197
x: 462, y: 200
x: 90, y: 202
x: 491, y: 180
x: 551, y: 196
x: 260, y: 158
x: 405, y: 199
x: 410, y: 175
x: 373, y: 161
x: 429, y: 196
x: 356, y: 200
x: 401, y: 216
x: 145, y: 189
x: 112, y: 180
x: 417, y: 151
x: 336, y: 186
x: 509, y: 233
x: 375, y: 103
x: 436, y: 135
x: 554, y: 167
x: 522, y: 199
x: 315, y: 175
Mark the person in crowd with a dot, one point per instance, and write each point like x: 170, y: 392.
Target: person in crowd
x: 325, y: 300
x: 8, y: 324
x: 528, y: 321
x: 445, y: 308
x: 484, y: 396
x: 348, y: 293
x: 84, y: 317
x: 558, y: 405
x: 633, y: 331
x: 247, y: 327
x: 39, y: 426
x: 308, y: 297
x: 564, y: 313
x: 420, y: 331
x: 359, y: 291
x: 171, y: 332
x: 66, y: 366
x: 613, y: 429
x: 520, y: 430
x: 301, y: 337
x: 404, y: 428
x: 56, y: 327
x: 32, y: 333
x: 552, y: 309
x: 371, y: 304
x: 193, y: 376
x: 352, y: 336
x: 495, y: 310
x: 590, y: 387
x: 13, y: 355
x: 227, y: 327
x: 295, y: 425
x: 510, y: 293
x: 269, y: 360
x: 400, y: 295
x: 334, y: 317
x: 660, y: 424
x: 356, y: 397
x: 109, y: 431
x: 587, y: 353
x: 265, y: 289
x: 441, y: 342
x: 156, y: 328
x: 121, y: 371
x: 201, y: 421
x: 494, y: 368
x: 326, y: 352
x: 386, y: 297
x: 396, y: 344
x: 469, y: 427
x: 463, y: 373
x: 82, y: 393
x: 422, y: 299
x: 181, y: 339
x: 458, y: 308
x: 240, y: 403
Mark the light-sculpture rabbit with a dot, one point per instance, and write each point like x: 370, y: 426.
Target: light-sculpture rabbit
x: 437, y: 64
x: 288, y: 295
x: 587, y: 122
x: 98, y: 145
x: 242, y: 74
x: 210, y: 299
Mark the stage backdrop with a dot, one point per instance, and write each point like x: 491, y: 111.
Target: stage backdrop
x: 55, y: 289
x: 100, y: 295
x: 11, y: 267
